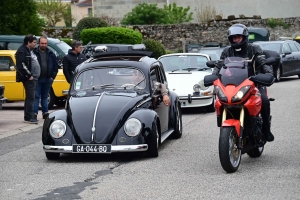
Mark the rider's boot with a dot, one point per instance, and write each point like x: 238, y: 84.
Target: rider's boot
x: 270, y: 137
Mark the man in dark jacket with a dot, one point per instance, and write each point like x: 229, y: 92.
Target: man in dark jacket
x: 238, y: 38
x: 72, y: 60
x: 49, y: 68
x: 28, y: 71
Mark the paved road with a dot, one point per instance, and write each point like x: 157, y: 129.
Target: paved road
x: 187, y: 168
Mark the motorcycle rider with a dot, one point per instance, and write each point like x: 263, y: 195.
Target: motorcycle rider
x: 238, y: 37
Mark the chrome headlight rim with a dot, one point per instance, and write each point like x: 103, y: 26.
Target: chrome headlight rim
x: 61, y: 133
x: 197, y: 88
x: 128, y: 130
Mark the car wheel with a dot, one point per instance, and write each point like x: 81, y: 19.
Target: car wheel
x: 299, y: 75
x: 178, y: 127
x: 211, y: 107
x: 277, y: 74
x: 52, y: 156
x: 154, y: 142
x: 51, y: 99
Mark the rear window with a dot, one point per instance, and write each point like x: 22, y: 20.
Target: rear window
x: 64, y: 47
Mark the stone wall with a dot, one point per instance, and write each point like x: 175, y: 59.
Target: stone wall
x: 171, y: 36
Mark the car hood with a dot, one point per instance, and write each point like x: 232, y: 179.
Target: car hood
x: 182, y: 82
x: 112, y: 109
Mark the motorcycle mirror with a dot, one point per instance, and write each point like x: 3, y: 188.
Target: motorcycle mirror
x: 211, y: 63
x: 209, y: 80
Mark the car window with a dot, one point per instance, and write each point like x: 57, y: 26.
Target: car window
x: 298, y: 46
x: 54, y: 51
x: 14, y: 45
x: 271, y: 46
x: 182, y: 62
x: 64, y: 47
x: 5, y: 63
x: 293, y: 47
x: 2, y: 47
x: 286, y: 48
x: 153, y: 78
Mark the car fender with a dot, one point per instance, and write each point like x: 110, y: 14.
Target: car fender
x: 174, y: 103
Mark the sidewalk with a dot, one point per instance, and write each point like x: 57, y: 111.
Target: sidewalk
x: 12, y: 119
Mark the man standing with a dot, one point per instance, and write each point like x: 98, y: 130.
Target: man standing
x: 72, y: 60
x: 49, y: 68
x: 28, y: 71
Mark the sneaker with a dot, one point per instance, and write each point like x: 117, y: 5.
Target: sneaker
x: 32, y: 121
x: 45, y: 115
x: 270, y: 137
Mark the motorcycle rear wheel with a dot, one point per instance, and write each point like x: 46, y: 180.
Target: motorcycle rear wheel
x: 256, y: 152
x: 230, y: 155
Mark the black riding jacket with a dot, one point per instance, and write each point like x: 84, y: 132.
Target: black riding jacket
x: 70, y: 62
x: 248, y: 53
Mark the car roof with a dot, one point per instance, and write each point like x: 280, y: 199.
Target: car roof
x: 183, y: 54
x: 12, y: 52
x: 138, y: 59
x: 21, y: 38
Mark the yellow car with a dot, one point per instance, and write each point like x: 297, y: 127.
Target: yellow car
x: 14, y: 91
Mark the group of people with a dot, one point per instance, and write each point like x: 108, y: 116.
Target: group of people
x: 37, y: 68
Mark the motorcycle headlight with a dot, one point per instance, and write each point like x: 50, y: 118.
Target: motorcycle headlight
x: 132, y: 127
x: 240, y: 94
x: 57, y: 129
x: 201, y: 83
x: 220, y: 94
x: 196, y: 88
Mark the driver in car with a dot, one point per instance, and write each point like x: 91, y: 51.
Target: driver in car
x: 137, y: 77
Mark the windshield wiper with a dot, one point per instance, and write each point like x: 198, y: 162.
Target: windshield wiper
x: 138, y: 83
x: 102, y: 86
x: 175, y: 70
x: 190, y: 68
x: 204, y: 68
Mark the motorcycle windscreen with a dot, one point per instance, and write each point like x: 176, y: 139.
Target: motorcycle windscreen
x: 234, y: 71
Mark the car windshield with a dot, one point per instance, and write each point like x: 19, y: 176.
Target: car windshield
x: 184, y: 62
x: 110, y: 77
x: 64, y: 47
x: 271, y: 46
x: 214, y: 54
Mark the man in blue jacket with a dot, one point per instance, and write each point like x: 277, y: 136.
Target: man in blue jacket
x: 49, y: 68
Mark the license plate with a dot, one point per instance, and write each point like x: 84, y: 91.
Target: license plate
x: 91, y: 148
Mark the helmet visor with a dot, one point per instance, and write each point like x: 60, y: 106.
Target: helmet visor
x: 237, y: 31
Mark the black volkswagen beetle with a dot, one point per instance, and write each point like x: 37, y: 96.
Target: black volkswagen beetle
x: 109, y: 110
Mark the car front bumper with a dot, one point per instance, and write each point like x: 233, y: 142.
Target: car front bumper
x: 114, y: 148
x: 192, y: 101
x: 3, y: 100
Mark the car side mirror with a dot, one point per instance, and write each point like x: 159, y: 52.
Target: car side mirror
x: 209, y: 79
x: 211, y: 63
x: 287, y: 52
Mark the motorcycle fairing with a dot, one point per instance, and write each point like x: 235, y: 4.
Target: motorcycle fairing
x: 235, y: 123
x: 254, y: 103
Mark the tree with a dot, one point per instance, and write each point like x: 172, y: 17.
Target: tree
x: 144, y: 14
x: 178, y: 14
x: 52, y: 10
x: 19, y: 17
x: 68, y: 18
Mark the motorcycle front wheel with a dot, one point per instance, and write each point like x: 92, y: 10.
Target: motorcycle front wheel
x: 230, y: 155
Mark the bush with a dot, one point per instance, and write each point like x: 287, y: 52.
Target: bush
x: 67, y: 40
x: 86, y: 23
x: 156, y: 47
x: 111, y: 35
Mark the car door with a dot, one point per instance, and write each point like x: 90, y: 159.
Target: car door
x: 157, y: 99
x: 287, y: 60
x: 296, y: 59
x: 14, y: 91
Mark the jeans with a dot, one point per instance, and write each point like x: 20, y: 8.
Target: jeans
x: 42, y: 91
x: 265, y: 111
x: 29, y: 86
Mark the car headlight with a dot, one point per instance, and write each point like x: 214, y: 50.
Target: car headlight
x: 240, y: 94
x: 220, y: 94
x: 57, y: 129
x: 196, y: 88
x: 132, y: 127
x: 201, y: 83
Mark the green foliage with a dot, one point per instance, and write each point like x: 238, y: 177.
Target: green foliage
x: 52, y: 10
x: 86, y: 23
x: 111, y: 35
x: 178, y: 14
x: 277, y: 22
x: 156, y: 47
x: 67, y: 40
x: 144, y: 14
x: 206, y: 13
x: 19, y: 17
x: 67, y: 15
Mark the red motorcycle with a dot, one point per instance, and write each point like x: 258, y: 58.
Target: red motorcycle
x: 238, y: 104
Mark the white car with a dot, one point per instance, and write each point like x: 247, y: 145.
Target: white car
x: 185, y: 74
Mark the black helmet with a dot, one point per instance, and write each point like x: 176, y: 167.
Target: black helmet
x: 238, y: 29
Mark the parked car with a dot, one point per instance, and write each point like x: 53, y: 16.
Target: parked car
x: 13, y: 42
x: 2, y: 99
x: 14, y: 91
x: 213, y: 52
x: 107, y: 113
x: 258, y: 34
x: 185, y: 73
x: 289, y: 56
